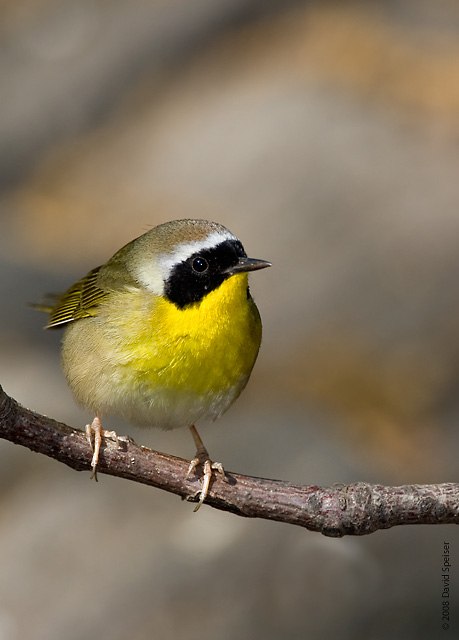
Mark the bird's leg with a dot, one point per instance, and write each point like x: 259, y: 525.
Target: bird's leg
x: 202, y: 458
x: 96, y: 428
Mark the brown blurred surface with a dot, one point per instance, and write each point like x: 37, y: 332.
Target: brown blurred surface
x: 325, y: 136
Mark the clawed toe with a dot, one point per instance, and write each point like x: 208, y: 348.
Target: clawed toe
x: 95, y: 430
x: 203, y: 460
x: 207, y: 467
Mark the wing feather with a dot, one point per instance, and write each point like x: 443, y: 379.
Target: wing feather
x: 80, y: 301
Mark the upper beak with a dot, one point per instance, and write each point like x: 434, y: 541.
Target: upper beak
x: 248, y: 264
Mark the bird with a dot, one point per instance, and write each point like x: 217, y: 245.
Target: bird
x: 164, y: 334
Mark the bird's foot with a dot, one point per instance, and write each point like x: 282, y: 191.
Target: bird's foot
x: 95, y: 429
x: 202, y: 459
x: 207, y: 466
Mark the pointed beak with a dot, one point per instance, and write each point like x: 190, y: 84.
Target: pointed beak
x: 247, y: 264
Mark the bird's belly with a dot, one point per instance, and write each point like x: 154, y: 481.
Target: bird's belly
x: 168, y: 407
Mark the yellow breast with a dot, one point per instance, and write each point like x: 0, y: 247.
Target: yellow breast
x: 159, y: 365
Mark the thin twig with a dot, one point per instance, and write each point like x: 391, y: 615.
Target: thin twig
x: 355, y: 509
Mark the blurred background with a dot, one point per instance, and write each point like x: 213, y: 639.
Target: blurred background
x: 325, y: 135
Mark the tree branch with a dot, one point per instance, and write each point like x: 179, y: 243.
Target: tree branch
x: 355, y: 509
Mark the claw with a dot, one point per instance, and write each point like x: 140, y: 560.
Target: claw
x: 96, y: 428
x: 202, y: 459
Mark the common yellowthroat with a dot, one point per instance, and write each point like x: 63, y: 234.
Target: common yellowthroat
x: 164, y: 334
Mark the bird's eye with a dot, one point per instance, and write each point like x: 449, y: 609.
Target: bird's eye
x: 200, y: 265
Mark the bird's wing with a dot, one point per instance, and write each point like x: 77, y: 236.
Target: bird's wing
x: 80, y: 301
